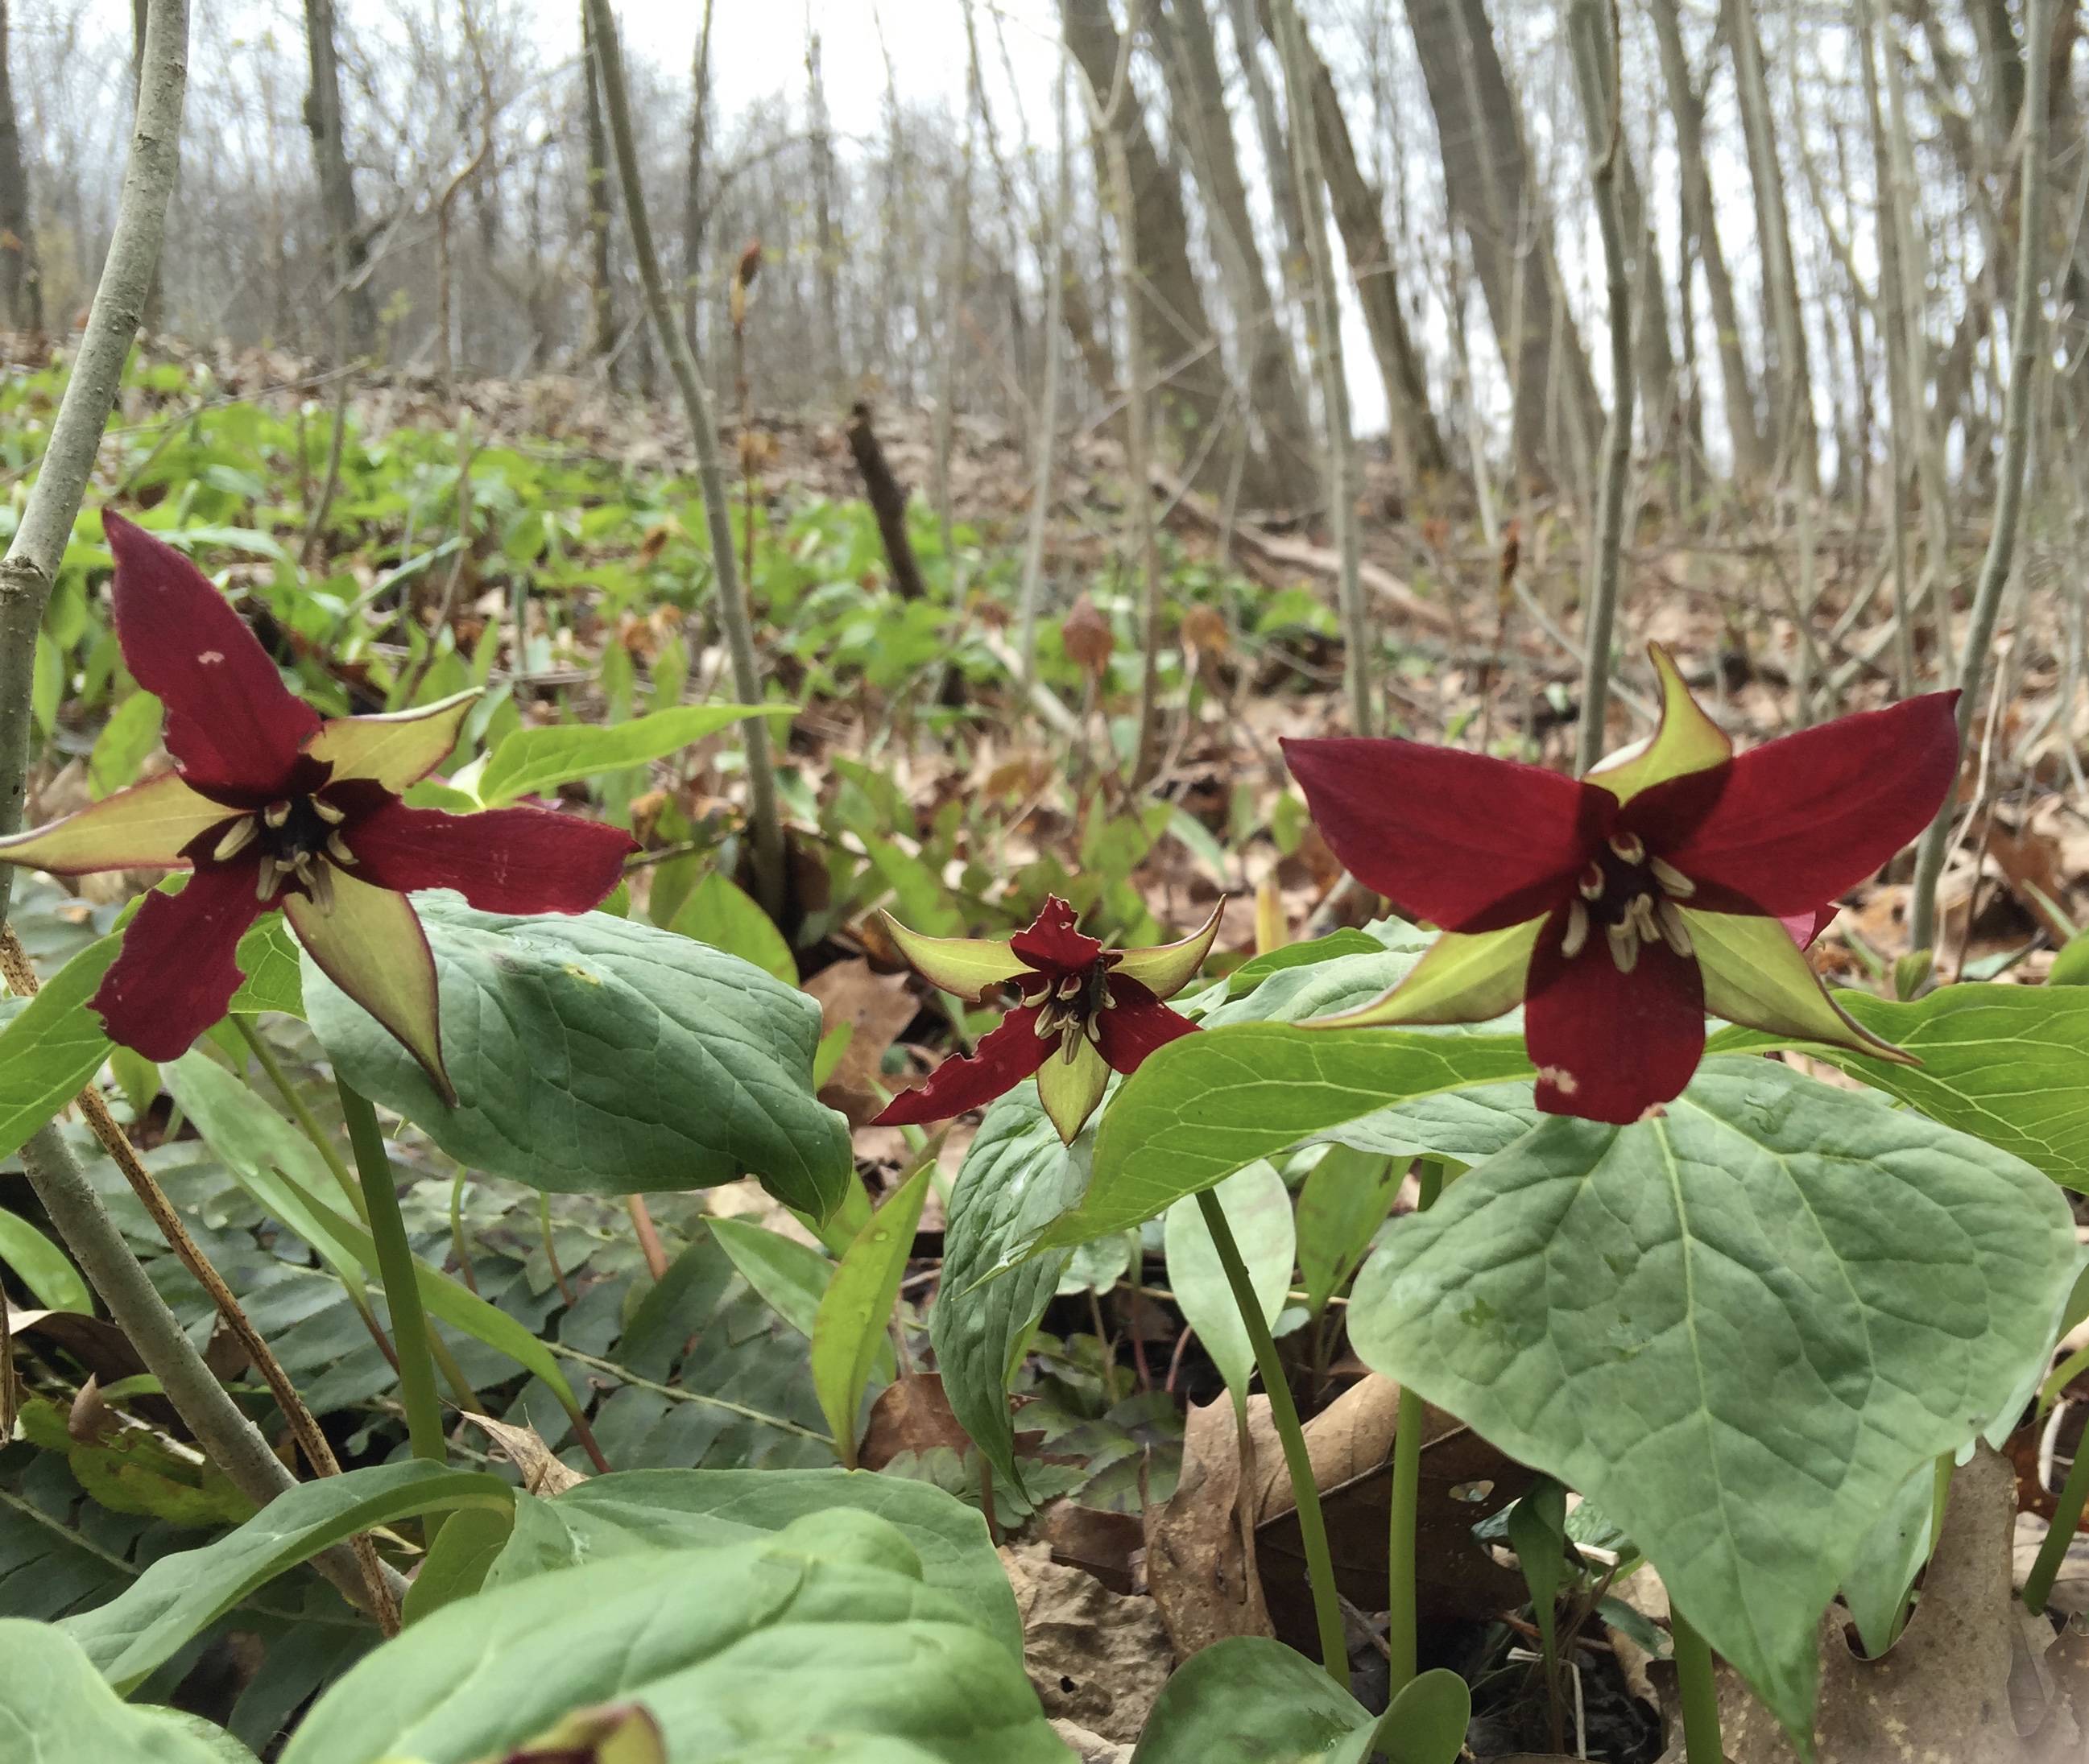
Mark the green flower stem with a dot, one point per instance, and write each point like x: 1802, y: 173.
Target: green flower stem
x: 301, y: 1112
x: 1399, y: 1615
x: 394, y: 1266
x: 1699, y: 1691
x: 2038, y: 1584
x: 1312, y: 1528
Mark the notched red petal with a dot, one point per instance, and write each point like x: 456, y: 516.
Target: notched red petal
x: 503, y: 860
x: 1136, y: 1024
x: 1051, y: 944
x: 176, y: 973
x: 1002, y: 1060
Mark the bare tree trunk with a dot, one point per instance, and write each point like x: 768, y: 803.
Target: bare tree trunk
x: 1300, y: 70
x: 1173, y: 315
x: 1494, y: 198
x: 693, y: 185
x: 601, y: 293
x: 2026, y: 325
x: 1283, y: 194
x: 323, y: 122
x: 1190, y: 58
x: 1791, y: 387
x: 825, y: 240
x: 1418, y: 444
x: 1052, y: 261
x: 1596, y: 76
x: 957, y: 271
x: 21, y: 282
x: 1686, y: 104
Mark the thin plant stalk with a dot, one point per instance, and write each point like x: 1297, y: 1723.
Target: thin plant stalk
x: 1400, y: 1625
x: 301, y: 1112
x: 2025, y: 325
x: 395, y: 1267
x: 1342, y: 478
x: 1595, y: 54
x: 733, y: 613
x: 2066, y: 1515
x: 1700, y: 1690
x: 1312, y: 1527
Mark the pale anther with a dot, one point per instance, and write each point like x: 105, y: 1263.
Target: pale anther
x: 1674, y: 932
x: 238, y: 836
x: 1624, y: 947
x: 1069, y: 1044
x: 1591, y: 883
x: 264, y: 879
x: 1629, y: 847
x: 1093, y: 1029
x: 1031, y: 1000
x: 320, y: 882
x: 1576, y: 936
x: 276, y: 814
x: 337, y: 850
x: 1071, y: 986
x: 1048, y: 1021
x: 1672, y: 881
x: 327, y: 812
x: 1640, y: 916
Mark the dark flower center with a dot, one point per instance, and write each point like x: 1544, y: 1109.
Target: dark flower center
x: 301, y: 842
x: 1630, y: 896
x: 1069, y: 1005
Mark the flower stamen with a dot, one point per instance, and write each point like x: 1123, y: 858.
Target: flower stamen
x: 1672, y: 881
x: 276, y: 814
x: 1624, y: 946
x: 1590, y: 883
x: 1674, y: 932
x: 1628, y: 846
x: 327, y: 812
x: 237, y: 837
x: 1577, y: 935
x: 337, y: 850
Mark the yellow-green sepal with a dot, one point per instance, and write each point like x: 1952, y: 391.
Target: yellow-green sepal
x: 1462, y: 978
x: 144, y: 827
x: 966, y: 966
x: 1686, y: 739
x: 1165, y: 970
x: 395, y: 749
x: 1757, y: 976
x: 370, y: 944
x: 1070, y: 1089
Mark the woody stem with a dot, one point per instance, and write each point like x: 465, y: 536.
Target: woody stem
x: 1312, y: 1527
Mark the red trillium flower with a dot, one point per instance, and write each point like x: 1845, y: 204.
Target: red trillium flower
x: 1085, y: 1011
x: 1620, y: 908
x: 272, y: 806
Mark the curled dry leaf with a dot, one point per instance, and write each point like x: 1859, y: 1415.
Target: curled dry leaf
x: 911, y: 1415
x: 1199, y: 1566
x: 525, y: 1449
x: 1086, y: 636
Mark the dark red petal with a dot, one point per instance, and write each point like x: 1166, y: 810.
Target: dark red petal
x: 1803, y: 819
x: 506, y: 860
x: 230, y: 719
x: 1050, y: 945
x: 1012, y: 1053
x: 1609, y: 1046
x: 1454, y: 838
x: 175, y: 974
x: 1136, y: 1025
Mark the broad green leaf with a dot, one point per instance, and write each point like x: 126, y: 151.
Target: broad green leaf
x: 857, y: 1307
x: 47, y: 683
x: 1738, y: 1328
x: 1258, y: 1208
x: 1247, y: 1700
x: 1346, y: 1197
x: 1015, y: 1179
x: 534, y: 760
x: 2070, y: 967
x: 132, y: 732
x: 818, y: 1639
x: 463, y: 1550
x: 269, y: 957
x: 1251, y: 974
x: 1537, y: 1533
x: 677, y: 1510
x: 272, y: 1162
x: 182, y: 1595
x: 1206, y: 1105
x: 722, y: 914
x: 2006, y: 1063
x: 596, y: 1054
x: 52, y: 1046
x: 792, y: 1276
x: 43, y: 1267
x: 55, y: 1709
x: 1875, y: 1586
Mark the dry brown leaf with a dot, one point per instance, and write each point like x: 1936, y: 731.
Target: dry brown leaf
x: 1964, y: 1684
x: 875, y: 1007
x: 1086, y: 636
x: 91, y: 1420
x: 1350, y: 1444
x: 1198, y: 1563
x: 911, y: 1415
x: 1111, y: 1546
x: 525, y: 1449
x: 2030, y: 863
x: 1096, y: 1658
